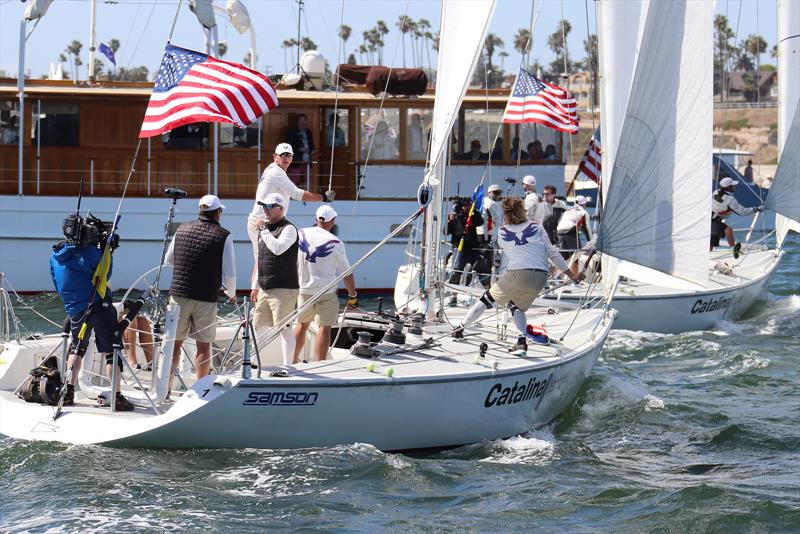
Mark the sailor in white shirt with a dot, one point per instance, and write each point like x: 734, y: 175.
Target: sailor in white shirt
x: 321, y: 259
x: 723, y: 203
x: 574, y: 220
x: 528, y: 249
x: 532, y: 199
x: 275, y: 180
x: 492, y: 213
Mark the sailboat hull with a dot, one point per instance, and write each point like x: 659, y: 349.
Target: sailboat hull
x: 649, y: 308
x: 429, y: 402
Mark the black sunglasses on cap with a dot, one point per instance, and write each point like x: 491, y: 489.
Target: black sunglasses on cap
x: 286, y: 155
x: 269, y: 206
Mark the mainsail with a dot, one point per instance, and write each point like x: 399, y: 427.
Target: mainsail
x: 463, y: 30
x: 462, y: 33
x: 657, y: 210
x: 784, y: 195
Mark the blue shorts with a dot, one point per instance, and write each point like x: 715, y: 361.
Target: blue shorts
x: 102, y: 318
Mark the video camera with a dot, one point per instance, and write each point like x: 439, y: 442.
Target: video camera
x: 88, y: 231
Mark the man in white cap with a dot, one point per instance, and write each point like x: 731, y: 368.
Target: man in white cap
x: 492, y: 213
x: 322, y: 258
x: 275, y: 282
x: 723, y: 203
x: 203, y: 259
x: 275, y: 180
x: 532, y: 199
x: 573, y: 221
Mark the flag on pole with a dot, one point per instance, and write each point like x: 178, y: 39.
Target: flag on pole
x: 106, y: 51
x: 193, y: 87
x: 534, y: 100
x: 476, y: 207
x: 591, y: 164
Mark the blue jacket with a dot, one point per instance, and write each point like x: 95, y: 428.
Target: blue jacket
x: 71, y: 268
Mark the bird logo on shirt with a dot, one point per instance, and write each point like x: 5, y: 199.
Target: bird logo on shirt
x: 529, y: 231
x: 323, y: 250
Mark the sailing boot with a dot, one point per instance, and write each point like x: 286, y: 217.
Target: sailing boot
x: 69, y: 396
x: 458, y: 332
x: 122, y: 404
x: 737, y: 250
x: 521, y: 345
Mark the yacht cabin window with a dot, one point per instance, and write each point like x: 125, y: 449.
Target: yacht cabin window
x: 417, y: 134
x: 380, y: 134
x: 9, y: 122
x: 58, y: 124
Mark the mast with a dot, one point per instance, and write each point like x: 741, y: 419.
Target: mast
x: 92, y: 21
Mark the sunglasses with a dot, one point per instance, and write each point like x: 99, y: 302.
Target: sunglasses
x: 269, y: 206
x: 286, y: 155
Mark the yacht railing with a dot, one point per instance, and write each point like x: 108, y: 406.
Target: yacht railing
x: 8, y: 318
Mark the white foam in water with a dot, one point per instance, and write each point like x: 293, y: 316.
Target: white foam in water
x: 616, y: 395
x: 537, y: 447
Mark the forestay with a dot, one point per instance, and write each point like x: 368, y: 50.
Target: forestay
x: 657, y: 209
x: 463, y: 30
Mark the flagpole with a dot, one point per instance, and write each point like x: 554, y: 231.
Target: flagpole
x: 92, y: 20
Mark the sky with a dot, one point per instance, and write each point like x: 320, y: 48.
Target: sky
x: 143, y: 27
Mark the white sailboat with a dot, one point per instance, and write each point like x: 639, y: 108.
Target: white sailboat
x: 416, y: 388
x: 657, y: 143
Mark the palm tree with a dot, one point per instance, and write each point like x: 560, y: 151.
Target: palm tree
x: 403, y: 25
x: 74, y: 49
x: 557, y: 41
x: 344, y: 35
x: 222, y: 49
x: 288, y: 44
x: 502, y: 55
x: 307, y: 44
x: 412, y: 30
x: 522, y: 43
x: 492, y: 43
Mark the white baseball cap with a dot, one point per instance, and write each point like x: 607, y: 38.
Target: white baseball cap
x: 273, y: 198
x: 493, y: 188
x: 283, y: 148
x: 529, y: 180
x: 581, y: 200
x: 727, y: 182
x: 326, y: 213
x: 210, y: 203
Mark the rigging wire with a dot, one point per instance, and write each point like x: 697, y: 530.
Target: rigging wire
x: 335, y: 124
x: 360, y: 183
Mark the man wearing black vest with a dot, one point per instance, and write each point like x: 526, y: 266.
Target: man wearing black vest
x: 276, y: 286
x: 202, y: 257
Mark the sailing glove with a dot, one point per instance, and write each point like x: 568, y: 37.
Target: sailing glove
x: 352, y: 301
x: 329, y: 196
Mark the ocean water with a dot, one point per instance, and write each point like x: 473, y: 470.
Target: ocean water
x: 697, y: 432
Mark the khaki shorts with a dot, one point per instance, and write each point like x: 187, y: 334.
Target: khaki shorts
x: 197, y: 319
x: 521, y: 286
x: 274, y: 305
x: 325, y: 311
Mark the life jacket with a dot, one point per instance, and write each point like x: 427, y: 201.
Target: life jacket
x: 277, y: 271
x: 719, y: 204
x: 198, y: 250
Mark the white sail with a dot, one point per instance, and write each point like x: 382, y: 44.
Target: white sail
x: 621, y: 25
x: 657, y: 208
x: 463, y: 31
x: 784, y: 195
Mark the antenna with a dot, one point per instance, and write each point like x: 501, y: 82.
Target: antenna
x: 300, y: 5
x: 80, y: 196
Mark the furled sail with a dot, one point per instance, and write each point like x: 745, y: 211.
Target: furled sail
x: 463, y: 31
x: 658, y: 205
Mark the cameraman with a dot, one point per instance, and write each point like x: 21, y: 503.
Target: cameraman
x: 72, y: 266
x: 461, y: 226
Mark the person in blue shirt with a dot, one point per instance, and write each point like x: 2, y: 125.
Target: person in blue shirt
x: 72, y: 268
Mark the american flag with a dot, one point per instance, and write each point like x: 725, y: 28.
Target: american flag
x: 194, y: 87
x: 591, y: 164
x: 533, y: 100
